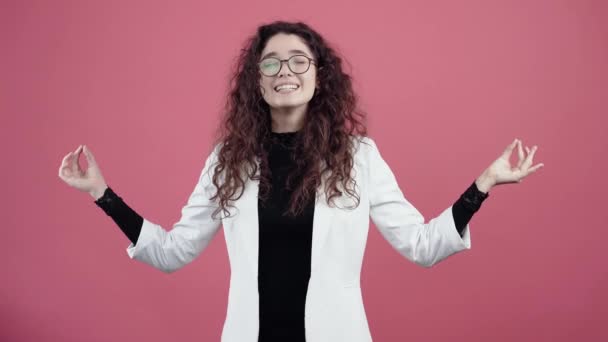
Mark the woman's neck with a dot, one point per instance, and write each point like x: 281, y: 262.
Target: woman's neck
x: 287, y: 120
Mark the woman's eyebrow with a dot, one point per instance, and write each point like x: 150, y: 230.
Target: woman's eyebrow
x: 290, y: 51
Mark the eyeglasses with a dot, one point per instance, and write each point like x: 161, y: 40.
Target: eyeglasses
x: 298, y: 64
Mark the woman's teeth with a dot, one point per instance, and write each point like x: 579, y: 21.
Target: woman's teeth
x: 286, y: 88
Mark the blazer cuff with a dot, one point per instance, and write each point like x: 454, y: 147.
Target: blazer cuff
x: 457, y: 242
x: 148, y: 232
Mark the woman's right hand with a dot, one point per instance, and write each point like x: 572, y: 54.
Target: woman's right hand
x: 90, y: 181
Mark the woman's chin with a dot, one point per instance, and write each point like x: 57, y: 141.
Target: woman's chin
x: 287, y: 103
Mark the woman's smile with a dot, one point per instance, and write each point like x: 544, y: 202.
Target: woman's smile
x: 286, y: 88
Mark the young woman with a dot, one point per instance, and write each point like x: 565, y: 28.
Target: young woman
x: 293, y: 179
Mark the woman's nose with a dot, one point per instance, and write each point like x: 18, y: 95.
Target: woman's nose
x: 284, y: 69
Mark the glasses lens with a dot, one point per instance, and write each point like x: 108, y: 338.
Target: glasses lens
x: 298, y: 64
x: 270, y: 66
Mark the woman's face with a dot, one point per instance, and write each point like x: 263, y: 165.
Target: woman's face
x: 283, y: 46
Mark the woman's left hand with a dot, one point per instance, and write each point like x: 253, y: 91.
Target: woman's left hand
x: 501, y: 171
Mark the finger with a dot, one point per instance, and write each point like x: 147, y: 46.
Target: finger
x: 64, y: 164
x: 520, y: 153
x: 65, y: 159
x: 529, y: 158
x: 74, y: 164
x: 507, y: 153
x: 535, y: 167
x: 90, y: 158
x: 527, y: 150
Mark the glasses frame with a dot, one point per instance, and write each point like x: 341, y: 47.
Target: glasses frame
x: 281, y: 61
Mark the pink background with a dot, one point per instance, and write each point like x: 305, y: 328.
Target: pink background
x: 447, y: 85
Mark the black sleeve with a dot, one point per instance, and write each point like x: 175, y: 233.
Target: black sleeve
x: 466, y: 205
x: 126, y: 218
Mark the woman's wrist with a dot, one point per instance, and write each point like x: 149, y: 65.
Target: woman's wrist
x: 97, y: 193
x: 484, y: 182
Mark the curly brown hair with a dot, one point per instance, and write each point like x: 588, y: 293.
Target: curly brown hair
x: 333, y: 119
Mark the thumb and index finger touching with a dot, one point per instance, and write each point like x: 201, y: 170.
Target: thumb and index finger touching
x: 523, y: 159
x: 72, y: 157
x: 89, y: 155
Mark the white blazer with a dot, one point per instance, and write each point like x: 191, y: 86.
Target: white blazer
x: 334, y: 307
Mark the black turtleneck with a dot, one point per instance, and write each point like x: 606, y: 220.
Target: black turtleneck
x: 284, y: 243
x: 284, y: 251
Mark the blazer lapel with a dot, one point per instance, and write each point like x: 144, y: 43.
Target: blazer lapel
x: 322, y: 222
x: 247, y: 206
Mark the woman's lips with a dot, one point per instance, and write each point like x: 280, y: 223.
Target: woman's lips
x: 287, y: 90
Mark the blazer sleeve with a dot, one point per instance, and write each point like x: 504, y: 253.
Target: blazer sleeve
x: 168, y: 251
x: 403, y: 226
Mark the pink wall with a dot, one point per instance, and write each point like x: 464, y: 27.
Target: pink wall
x: 447, y: 85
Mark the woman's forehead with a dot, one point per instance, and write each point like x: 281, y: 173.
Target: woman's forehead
x: 283, y: 45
